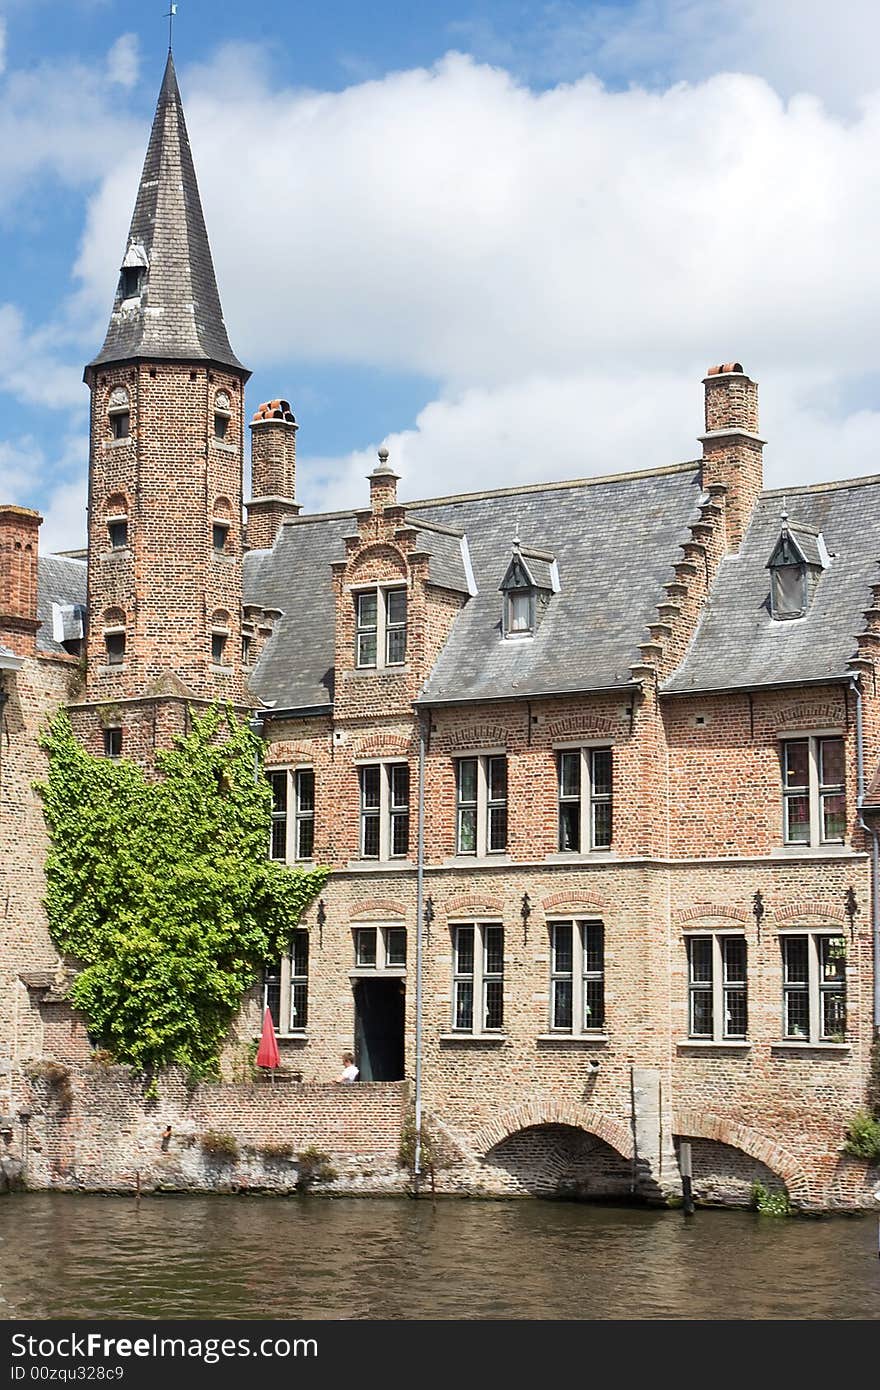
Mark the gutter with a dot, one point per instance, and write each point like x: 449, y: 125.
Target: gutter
x: 618, y: 688
x: 875, y: 849
x: 746, y: 689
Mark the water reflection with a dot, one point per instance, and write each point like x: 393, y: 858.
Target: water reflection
x: 246, y: 1257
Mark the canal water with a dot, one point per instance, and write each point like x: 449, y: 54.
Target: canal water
x: 311, y: 1257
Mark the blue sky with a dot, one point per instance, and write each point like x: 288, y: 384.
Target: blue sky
x: 505, y: 238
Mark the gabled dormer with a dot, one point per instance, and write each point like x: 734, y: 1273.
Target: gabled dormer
x: 529, y: 581
x: 796, y: 565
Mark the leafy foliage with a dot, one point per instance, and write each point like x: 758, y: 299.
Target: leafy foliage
x: 863, y: 1137
x: 770, y: 1203
x: 162, y: 888
x: 219, y: 1147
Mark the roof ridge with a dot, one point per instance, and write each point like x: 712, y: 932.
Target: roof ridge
x: 865, y: 480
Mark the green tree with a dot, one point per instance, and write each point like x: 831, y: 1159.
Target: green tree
x: 161, y: 888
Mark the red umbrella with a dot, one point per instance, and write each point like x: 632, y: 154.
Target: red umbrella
x: 267, y: 1053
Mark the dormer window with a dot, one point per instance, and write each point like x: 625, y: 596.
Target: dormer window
x: 132, y: 277
x: 796, y: 565
x: 530, y: 580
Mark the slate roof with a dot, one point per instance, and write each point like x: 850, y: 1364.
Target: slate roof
x: 614, y: 541
x: 178, y: 313
x: 738, y: 645
x: 60, y: 579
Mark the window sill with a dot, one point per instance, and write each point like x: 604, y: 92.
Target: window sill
x: 812, y: 852
x: 573, y: 856
x: 119, y: 443
x: 301, y: 1037
x: 576, y: 1039
x: 359, y: 672
x: 114, y: 670
x: 792, y: 1045
x: 467, y: 861
x: 226, y: 556
x: 223, y: 446
x: 220, y: 670
x: 370, y: 972
x: 487, y: 1039
x: 120, y: 552
x: 380, y: 866
x: 724, y: 1044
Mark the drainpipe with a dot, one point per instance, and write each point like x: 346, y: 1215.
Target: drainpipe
x: 875, y: 849
x: 256, y: 724
x: 420, y: 893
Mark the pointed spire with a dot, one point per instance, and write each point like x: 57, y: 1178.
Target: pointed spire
x: 167, y: 305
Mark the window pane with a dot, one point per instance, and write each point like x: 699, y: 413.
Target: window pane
x: 464, y: 950
x: 602, y: 825
x: 272, y: 992
x: 365, y: 946
x: 701, y: 960
x: 794, y: 951
x: 399, y: 833
x: 601, y: 758
x: 370, y: 787
x: 562, y: 948
x: 305, y: 839
x: 831, y: 762
x: 701, y: 1013
x: 395, y: 646
x: 300, y: 953
x: 278, y: 783
x: 299, y: 1002
x: 833, y: 817
x: 562, y: 1004
x: 467, y: 780
x: 797, y: 764
x: 396, y: 606
x: 789, y: 590
x: 519, y: 612
x: 497, y: 828
x: 569, y: 825
x: 464, y: 1004
x: 305, y: 790
x: 735, y: 1013
x: 366, y: 649
x: 467, y: 830
x: 494, y: 1004
x: 370, y: 847
x: 395, y: 946
x: 569, y: 774
x: 797, y: 1013
x: 797, y: 819
x: 399, y: 785
x: 832, y: 959
x: 733, y: 950
x: 493, y: 938
x: 279, y: 839
x: 594, y: 1003
x: 497, y: 778
x: 367, y: 610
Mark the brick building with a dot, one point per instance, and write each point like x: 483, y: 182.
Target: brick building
x: 608, y: 740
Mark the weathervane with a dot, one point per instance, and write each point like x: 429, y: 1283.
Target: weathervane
x: 172, y: 11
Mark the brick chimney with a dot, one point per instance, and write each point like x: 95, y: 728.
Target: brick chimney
x: 273, y: 473
x: 19, y: 536
x: 383, y: 484
x: 732, y: 448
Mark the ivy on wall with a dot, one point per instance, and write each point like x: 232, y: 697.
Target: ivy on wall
x: 162, y: 888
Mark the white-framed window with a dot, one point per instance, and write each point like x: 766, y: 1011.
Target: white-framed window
x: 384, y: 789
x: 478, y: 978
x: 379, y: 948
x: 481, y: 804
x: 577, y: 976
x: 113, y: 741
x: 718, y: 1000
x: 293, y: 835
x: 585, y: 794
x: 380, y: 627
x: 286, y: 987
x: 813, y: 986
x: 814, y: 790
x: 119, y: 413
x: 114, y: 645
x: 519, y: 612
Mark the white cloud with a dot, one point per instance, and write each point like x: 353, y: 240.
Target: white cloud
x: 2, y: 45
x: 123, y: 60
x: 64, y: 519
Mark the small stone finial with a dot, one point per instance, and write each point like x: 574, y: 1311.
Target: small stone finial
x: 383, y: 483
x: 383, y: 455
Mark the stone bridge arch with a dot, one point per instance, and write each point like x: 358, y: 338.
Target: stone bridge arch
x: 692, y: 1124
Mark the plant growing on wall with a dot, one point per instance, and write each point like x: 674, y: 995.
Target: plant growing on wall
x: 162, y: 888
x: 863, y: 1137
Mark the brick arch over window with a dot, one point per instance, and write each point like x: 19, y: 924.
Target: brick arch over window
x: 377, y: 909
x: 576, y: 903
x: 820, y: 912
x: 381, y: 746
x: 614, y: 1132
x: 481, y: 906
x: 372, y: 563
x: 692, y: 1124
x: 702, y: 912
x: 116, y: 504
x: 114, y: 617
x: 222, y: 509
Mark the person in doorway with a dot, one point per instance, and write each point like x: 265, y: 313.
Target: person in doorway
x: 349, y: 1070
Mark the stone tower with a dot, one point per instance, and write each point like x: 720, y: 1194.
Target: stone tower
x: 166, y: 452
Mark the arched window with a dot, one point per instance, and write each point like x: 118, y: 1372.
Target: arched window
x: 220, y: 524
x: 119, y: 413
x: 220, y: 638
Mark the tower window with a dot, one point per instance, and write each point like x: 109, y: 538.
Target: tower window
x: 113, y: 743
x: 114, y: 643
x: 218, y: 647
x: 119, y: 411
x: 220, y: 534
x: 221, y: 425
x: 118, y: 529
x: 131, y: 281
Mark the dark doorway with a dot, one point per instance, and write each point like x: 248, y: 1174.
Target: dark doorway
x: 378, y: 1028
